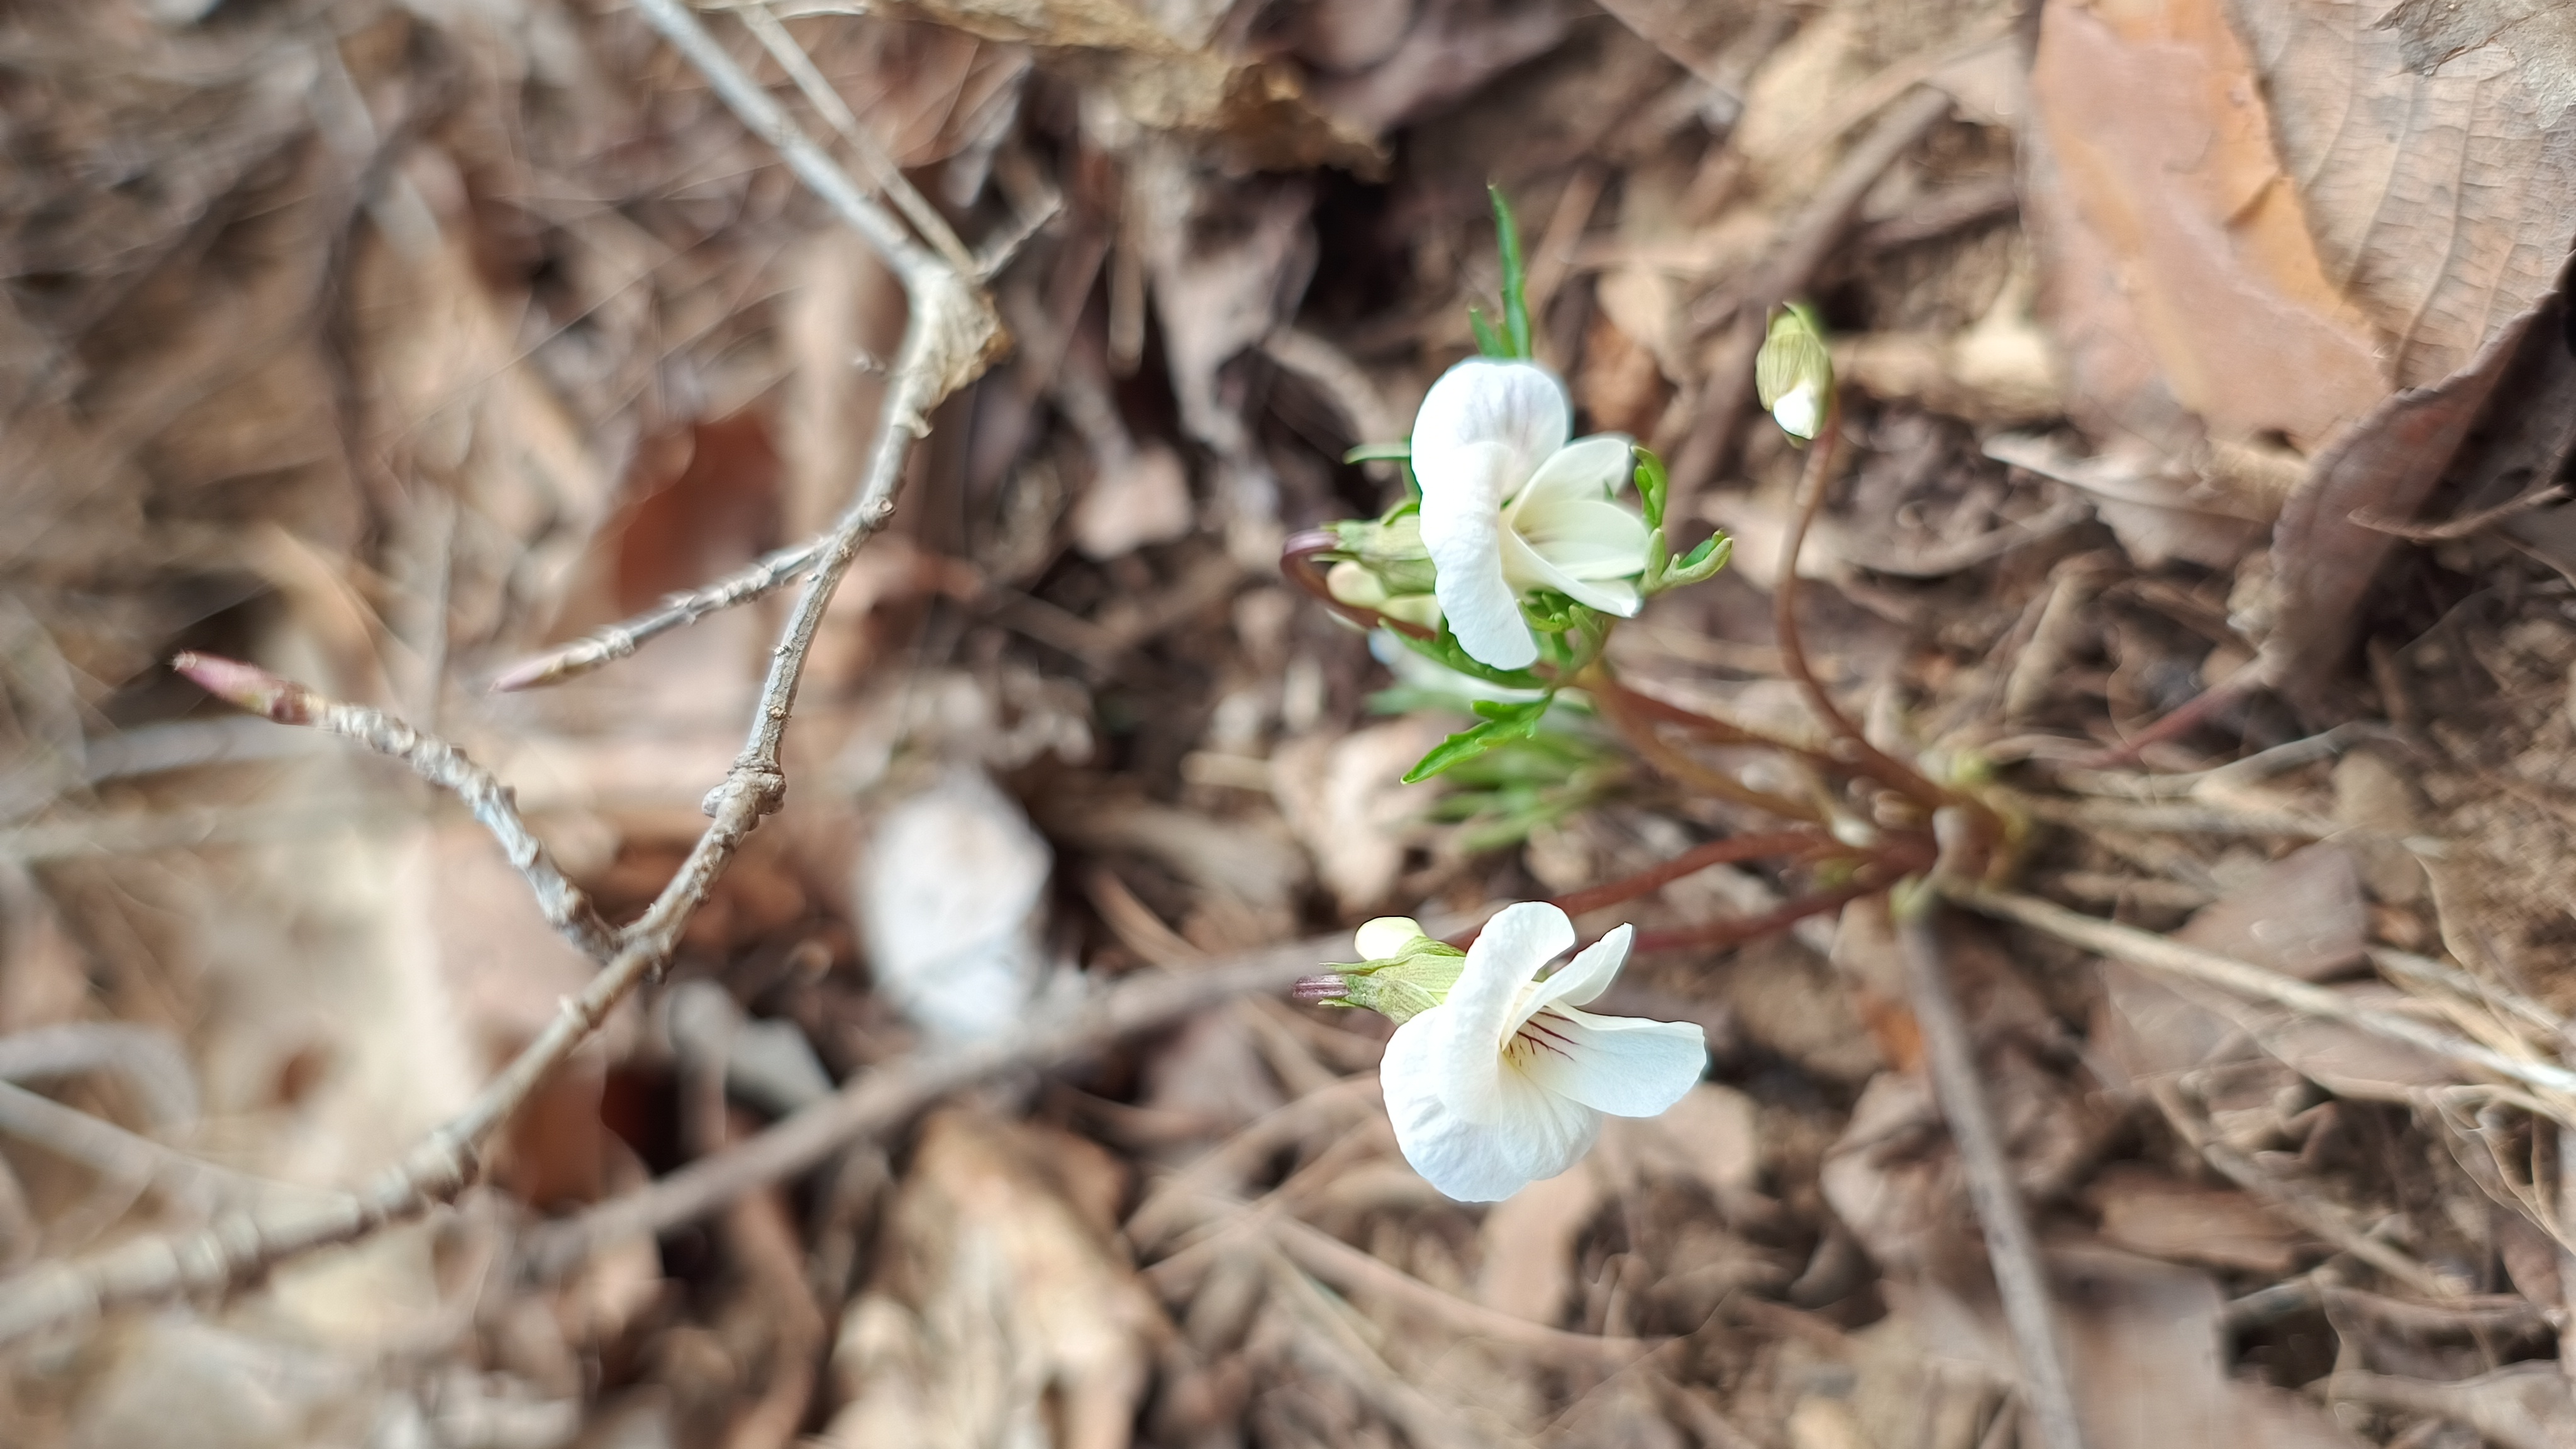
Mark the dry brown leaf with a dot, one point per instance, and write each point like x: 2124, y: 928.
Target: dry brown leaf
x: 1346, y: 800
x: 2180, y: 273
x: 2430, y: 145
x: 1001, y: 1313
x: 2147, y: 1356
x: 1140, y: 498
x: 2302, y: 915
x: 2147, y: 1212
x: 1254, y: 113
x: 2322, y: 560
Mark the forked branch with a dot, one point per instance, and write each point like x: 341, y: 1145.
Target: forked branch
x: 949, y: 335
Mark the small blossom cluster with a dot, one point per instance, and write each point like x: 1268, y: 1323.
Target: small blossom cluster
x: 1496, y: 1076
x: 1510, y: 568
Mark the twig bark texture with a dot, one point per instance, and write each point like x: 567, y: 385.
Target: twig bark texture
x: 949, y: 335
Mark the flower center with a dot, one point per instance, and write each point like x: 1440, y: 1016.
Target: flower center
x: 1541, y: 1033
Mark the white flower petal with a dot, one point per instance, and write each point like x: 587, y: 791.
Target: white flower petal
x: 1460, y: 1041
x: 1582, y: 980
x: 1530, y: 1133
x: 1622, y: 1065
x: 1524, y: 568
x: 1384, y: 937
x: 1799, y: 411
x: 1462, y: 528
x: 1584, y: 538
x: 1516, y: 941
x: 1592, y: 467
x: 1517, y: 405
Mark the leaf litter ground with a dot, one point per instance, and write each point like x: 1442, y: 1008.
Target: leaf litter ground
x: 2206, y: 423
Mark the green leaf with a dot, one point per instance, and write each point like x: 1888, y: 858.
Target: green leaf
x: 1376, y: 452
x: 1487, y: 343
x: 1507, y: 237
x: 1446, y: 651
x: 1654, y: 485
x: 1501, y: 724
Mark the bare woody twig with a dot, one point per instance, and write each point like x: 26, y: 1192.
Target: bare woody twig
x: 885, y: 1099
x: 948, y: 337
x: 2019, y: 1277
x: 771, y: 573
x: 434, y: 760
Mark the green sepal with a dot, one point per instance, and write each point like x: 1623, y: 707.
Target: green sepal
x: 1701, y: 563
x: 1550, y: 612
x: 1381, y: 452
x: 1499, y: 724
x: 1654, y: 486
x: 1445, y: 651
x: 1658, y: 558
x: 1488, y: 342
x: 1403, y: 987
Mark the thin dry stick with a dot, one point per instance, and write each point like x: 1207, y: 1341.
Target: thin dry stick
x: 69, y: 1132
x: 2306, y: 1209
x: 771, y: 573
x: 2157, y: 953
x: 947, y: 339
x: 881, y: 167
x: 434, y: 760
x: 888, y: 1097
x: 2010, y: 1248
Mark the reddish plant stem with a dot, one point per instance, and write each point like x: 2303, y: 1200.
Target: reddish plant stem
x: 1615, y: 704
x: 1708, y: 727
x: 1803, y: 844
x: 1297, y: 564
x: 1721, y: 935
x: 1852, y: 746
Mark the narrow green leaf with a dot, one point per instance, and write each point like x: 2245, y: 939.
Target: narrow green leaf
x: 1507, y: 237
x: 1502, y: 723
x: 1380, y: 452
x: 1488, y: 344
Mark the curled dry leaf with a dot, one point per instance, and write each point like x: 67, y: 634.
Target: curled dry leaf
x: 1345, y: 799
x: 2147, y: 1212
x: 1254, y: 113
x: 2321, y: 220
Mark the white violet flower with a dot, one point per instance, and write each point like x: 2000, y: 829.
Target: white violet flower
x: 1506, y: 1081
x: 1508, y: 505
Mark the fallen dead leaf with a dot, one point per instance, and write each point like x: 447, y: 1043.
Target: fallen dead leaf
x: 1001, y: 1314
x: 1345, y: 800
x: 2147, y: 1212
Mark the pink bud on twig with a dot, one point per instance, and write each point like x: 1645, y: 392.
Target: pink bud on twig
x: 250, y: 687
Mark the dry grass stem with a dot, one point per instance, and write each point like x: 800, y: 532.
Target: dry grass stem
x: 2157, y: 953
x: 2020, y: 1277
